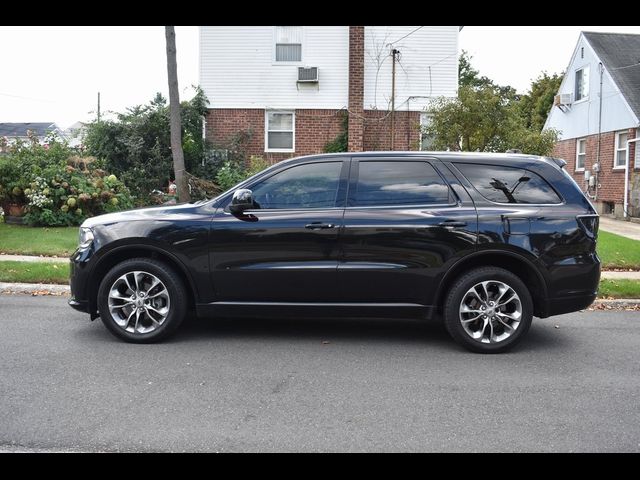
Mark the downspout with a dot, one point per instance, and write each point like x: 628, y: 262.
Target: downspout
x: 625, y: 207
x: 601, y: 68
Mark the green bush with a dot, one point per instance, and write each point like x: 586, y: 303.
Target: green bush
x: 49, y: 182
x: 233, y: 172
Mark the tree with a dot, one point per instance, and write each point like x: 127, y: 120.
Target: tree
x: 136, y: 144
x: 485, y: 117
x: 537, y: 103
x: 174, y: 105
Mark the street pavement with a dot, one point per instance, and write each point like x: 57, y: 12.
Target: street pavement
x: 325, y: 385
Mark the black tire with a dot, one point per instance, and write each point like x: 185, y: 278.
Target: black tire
x: 174, y: 287
x: 456, y: 294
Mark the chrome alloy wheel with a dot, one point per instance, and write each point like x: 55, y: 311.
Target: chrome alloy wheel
x: 490, y: 311
x: 139, y: 302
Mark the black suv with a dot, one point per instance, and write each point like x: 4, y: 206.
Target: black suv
x: 483, y: 241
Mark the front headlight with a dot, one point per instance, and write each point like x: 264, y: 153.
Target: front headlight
x: 85, y: 237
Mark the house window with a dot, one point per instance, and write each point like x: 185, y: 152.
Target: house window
x: 426, y: 139
x: 582, y: 83
x: 288, y: 44
x: 620, y: 159
x: 581, y: 153
x: 279, y: 131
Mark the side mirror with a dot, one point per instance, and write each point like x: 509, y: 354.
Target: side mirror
x: 242, y: 200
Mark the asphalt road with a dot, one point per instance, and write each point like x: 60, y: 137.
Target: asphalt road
x: 66, y: 384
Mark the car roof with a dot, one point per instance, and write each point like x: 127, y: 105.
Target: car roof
x: 470, y: 157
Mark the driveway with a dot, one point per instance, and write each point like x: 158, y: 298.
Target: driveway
x: 254, y: 385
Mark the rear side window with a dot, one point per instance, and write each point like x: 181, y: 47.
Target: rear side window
x: 509, y: 185
x: 398, y: 183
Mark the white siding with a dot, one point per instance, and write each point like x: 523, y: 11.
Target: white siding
x: 237, y: 68
x: 582, y: 119
x: 427, y: 67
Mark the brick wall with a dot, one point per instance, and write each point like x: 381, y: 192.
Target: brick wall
x: 377, y: 130
x: 611, y: 180
x: 356, y: 89
x: 314, y: 129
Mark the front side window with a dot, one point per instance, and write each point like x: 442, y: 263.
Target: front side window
x: 399, y: 183
x: 279, y: 131
x: 313, y: 185
x: 620, y: 159
x: 582, y: 83
x: 288, y: 44
x: 509, y: 185
x: 581, y: 153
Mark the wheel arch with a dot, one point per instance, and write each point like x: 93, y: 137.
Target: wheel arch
x: 517, y: 264
x: 127, y: 252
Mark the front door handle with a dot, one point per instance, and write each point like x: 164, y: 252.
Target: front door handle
x: 319, y: 226
x: 452, y: 224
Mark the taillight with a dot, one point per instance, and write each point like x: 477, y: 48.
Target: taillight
x: 590, y: 224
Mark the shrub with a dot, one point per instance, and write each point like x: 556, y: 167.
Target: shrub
x: 54, y: 190
x: 233, y: 172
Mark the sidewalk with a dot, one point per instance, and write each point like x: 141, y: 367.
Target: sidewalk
x: 619, y: 227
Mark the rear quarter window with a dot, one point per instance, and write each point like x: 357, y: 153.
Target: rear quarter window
x: 509, y: 185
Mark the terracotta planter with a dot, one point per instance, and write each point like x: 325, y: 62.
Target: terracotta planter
x: 15, y: 210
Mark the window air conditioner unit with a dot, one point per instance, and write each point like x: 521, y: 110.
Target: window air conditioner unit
x: 563, y: 101
x: 308, y: 74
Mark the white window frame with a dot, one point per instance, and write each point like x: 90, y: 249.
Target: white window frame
x: 293, y: 132
x: 637, y: 150
x: 575, y: 82
x: 425, y: 119
x: 618, y: 148
x: 581, y: 169
x: 273, y: 47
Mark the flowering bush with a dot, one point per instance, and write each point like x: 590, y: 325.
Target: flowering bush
x: 54, y: 189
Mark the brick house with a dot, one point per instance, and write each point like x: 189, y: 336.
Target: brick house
x: 597, y: 110
x: 286, y: 89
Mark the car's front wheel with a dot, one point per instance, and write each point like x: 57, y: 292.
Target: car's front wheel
x: 142, y: 300
x: 488, y: 310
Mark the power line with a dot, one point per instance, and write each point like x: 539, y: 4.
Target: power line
x: 410, y: 33
x: 27, y: 98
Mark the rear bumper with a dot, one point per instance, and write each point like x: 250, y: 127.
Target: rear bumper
x: 560, y: 305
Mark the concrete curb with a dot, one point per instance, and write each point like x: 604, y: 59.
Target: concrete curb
x: 32, y: 258
x: 34, y: 288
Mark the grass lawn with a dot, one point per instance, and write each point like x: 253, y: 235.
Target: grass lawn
x: 618, y: 252
x: 47, y: 241
x: 34, y: 272
x: 619, y: 289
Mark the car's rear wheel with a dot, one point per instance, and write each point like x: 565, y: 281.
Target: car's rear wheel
x: 142, y: 300
x: 488, y: 310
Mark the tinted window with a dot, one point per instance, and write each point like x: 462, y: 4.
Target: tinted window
x: 313, y: 185
x: 399, y: 183
x: 508, y: 185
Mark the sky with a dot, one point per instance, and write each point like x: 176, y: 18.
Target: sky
x: 55, y: 73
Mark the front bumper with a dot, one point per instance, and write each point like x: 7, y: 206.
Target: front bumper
x: 81, y: 306
x: 79, y: 274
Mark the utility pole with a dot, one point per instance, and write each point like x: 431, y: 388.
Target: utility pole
x: 394, y: 52
x: 98, y: 106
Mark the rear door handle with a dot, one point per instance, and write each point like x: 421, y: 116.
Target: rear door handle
x: 319, y: 226
x: 452, y: 224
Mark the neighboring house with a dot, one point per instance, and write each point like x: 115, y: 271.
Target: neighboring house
x: 21, y: 131
x: 75, y: 134
x: 286, y: 88
x: 597, y: 110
